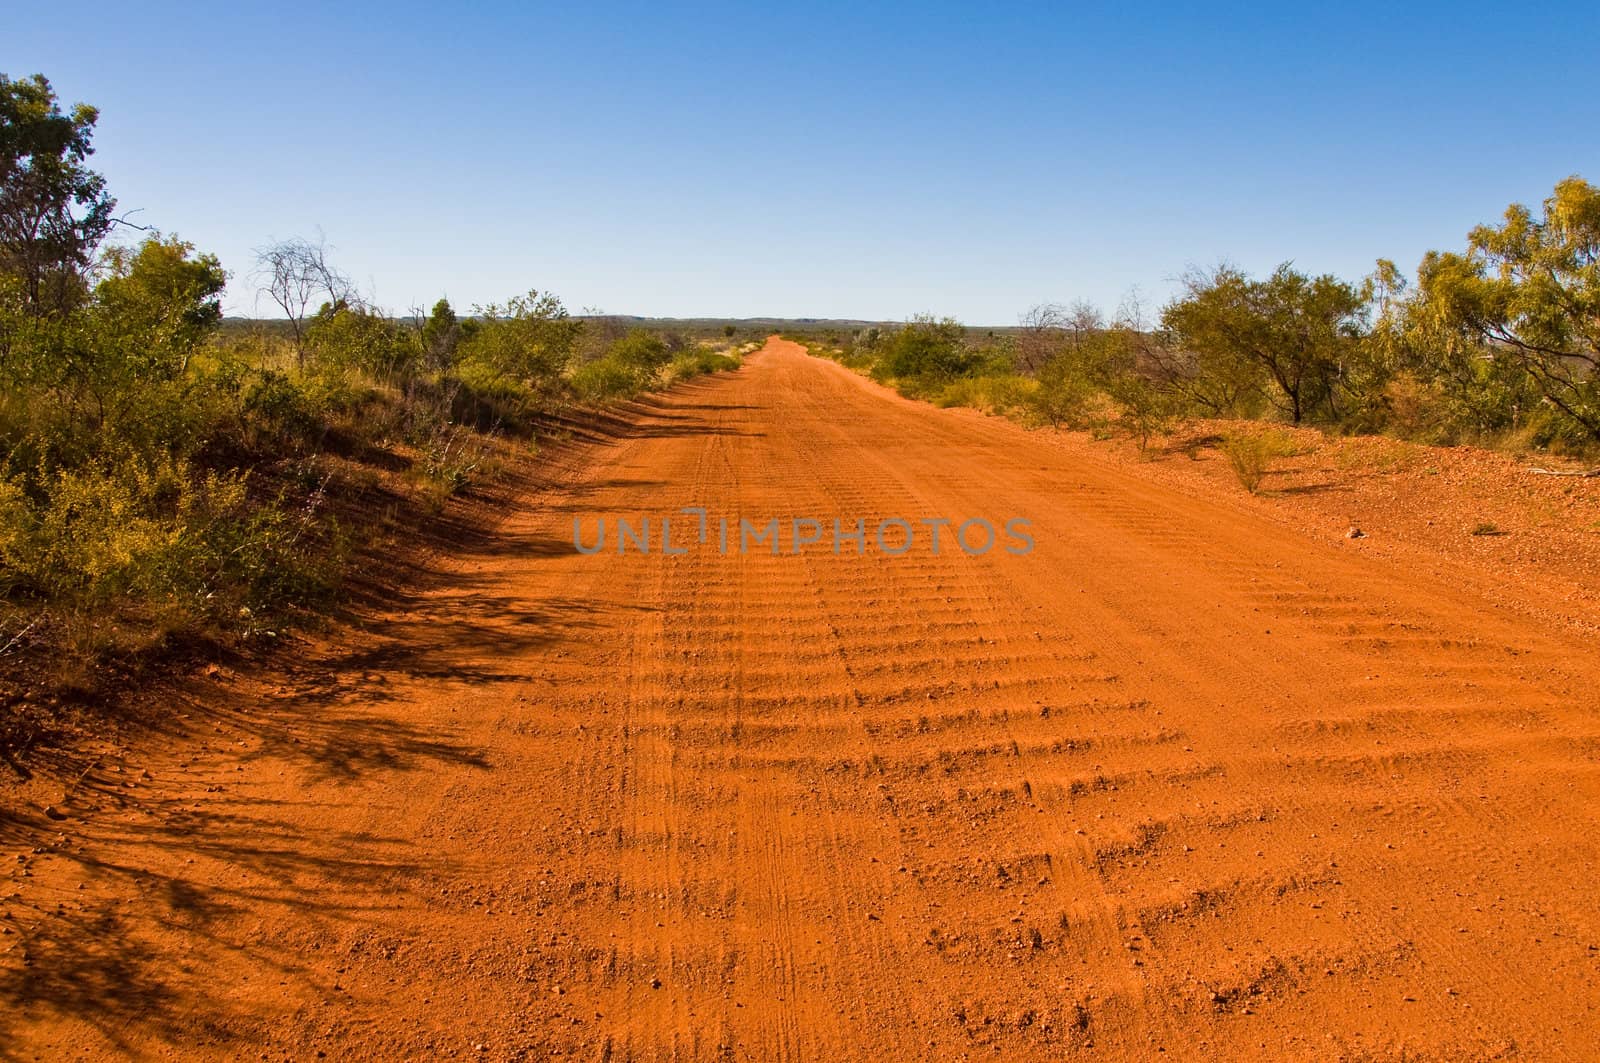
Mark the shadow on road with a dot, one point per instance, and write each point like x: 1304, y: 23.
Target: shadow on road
x: 143, y: 905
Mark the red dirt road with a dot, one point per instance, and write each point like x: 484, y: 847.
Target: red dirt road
x: 1180, y: 780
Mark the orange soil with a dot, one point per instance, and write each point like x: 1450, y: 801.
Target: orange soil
x: 1183, y: 779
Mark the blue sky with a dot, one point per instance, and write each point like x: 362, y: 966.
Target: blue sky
x: 827, y: 160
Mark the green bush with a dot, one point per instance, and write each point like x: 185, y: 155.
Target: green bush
x: 280, y: 413
x: 642, y: 352
x: 529, y: 339
x: 1000, y: 394
x: 487, y: 399
x: 124, y: 429
x: 924, y: 348
x: 344, y: 338
x: 1063, y: 396
x: 1144, y: 408
x: 605, y: 380
x: 114, y: 536
x: 698, y: 362
x: 638, y: 362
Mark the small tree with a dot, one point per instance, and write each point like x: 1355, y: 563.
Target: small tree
x: 530, y: 338
x: 124, y: 356
x: 54, y: 211
x: 441, y: 335
x: 163, y: 297
x: 296, y: 275
x: 925, y: 347
x: 1295, y: 328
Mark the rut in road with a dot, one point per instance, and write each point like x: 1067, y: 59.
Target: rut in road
x: 1177, y: 779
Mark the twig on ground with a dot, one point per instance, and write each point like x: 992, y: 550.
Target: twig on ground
x: 1566, y: 472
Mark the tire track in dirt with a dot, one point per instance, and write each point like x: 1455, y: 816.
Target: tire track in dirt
x: 1170, y: 536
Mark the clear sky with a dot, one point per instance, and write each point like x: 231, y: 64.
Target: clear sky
x: 823, y: 160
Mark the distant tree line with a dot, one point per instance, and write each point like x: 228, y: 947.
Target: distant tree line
x: 1499, y: 342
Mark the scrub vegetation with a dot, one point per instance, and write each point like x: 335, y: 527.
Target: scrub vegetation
x: 171, y: 479
x: 1495, y: 344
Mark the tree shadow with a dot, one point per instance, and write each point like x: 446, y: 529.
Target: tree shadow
x: 114, y: 967
x: 177, y: 884
x: 654, y: 416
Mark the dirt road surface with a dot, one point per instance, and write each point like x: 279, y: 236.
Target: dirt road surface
x: 1178, y: 783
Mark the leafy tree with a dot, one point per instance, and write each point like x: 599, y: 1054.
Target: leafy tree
x: 1443, y: 381
x: 351, y: 337
x: 115, y: 371
x: 164, y: 293
x: 54, y: 211
x: 641, y: 351
x: 925, y: 347
x: 441, y: 335
x: 1527, y: 290
x: 1298, y: 330
x: 530, y: 338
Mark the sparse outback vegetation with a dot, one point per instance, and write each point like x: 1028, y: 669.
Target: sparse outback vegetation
x: 164, y: 479
x: 1496, y: 345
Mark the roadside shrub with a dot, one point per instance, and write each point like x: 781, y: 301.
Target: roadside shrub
x: 343, y: 337
x: 999, y: 394
x: 1145, y: 408
x: 922, y: 349
x: 1250, y: 456
x: 1063, y: 395
x: 643, y: 353
x: 279, y: 412
x: 167, y: 538
x: 698, y: 362
x: 605, y: 380
x: 165, y: 472
x: 634, y: 363
x: 487, y: 399
x: 452, y: 458
x: 529, y: 338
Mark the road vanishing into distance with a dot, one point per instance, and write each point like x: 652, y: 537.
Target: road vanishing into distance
x: 1177, y: 781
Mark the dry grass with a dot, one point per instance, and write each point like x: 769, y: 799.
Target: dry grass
x: 1251, y: 455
